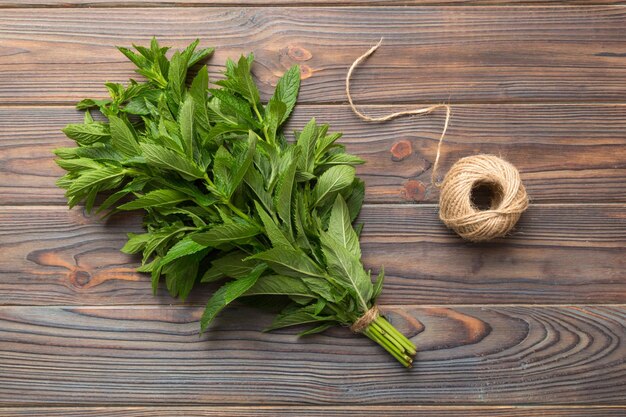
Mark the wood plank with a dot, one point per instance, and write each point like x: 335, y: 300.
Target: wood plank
x: 559, y: 254
x: 467, y: 355
x: 569, y: 153
x: 294, y: 3
x: 431, y: 54
x: 320, y: 411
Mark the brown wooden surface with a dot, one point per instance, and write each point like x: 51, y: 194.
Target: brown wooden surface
x: 208, y: 3
x: 530, y: 325
x: 320, y: 411
x: 558, y: 254
x: 431, y: 54
x: 486, y: 354
x: 566, y: 153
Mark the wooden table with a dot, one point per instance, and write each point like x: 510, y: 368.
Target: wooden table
x: 534, y: 324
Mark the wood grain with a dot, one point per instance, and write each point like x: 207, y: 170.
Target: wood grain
x: 431, y: 54
x: 320, y: 411
x: 559, y: 254
x: 566, y: 154
x: 467, y: 355
x: 296, y: 3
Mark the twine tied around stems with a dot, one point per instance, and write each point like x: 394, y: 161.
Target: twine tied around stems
x: 456, y: 206
x: 362, y: 322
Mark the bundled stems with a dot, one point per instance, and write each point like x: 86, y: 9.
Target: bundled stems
x: 394, y: 342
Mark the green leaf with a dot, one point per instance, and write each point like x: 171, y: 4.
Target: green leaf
x: 325, y: 143
x: 78, y: 164
x: 255, y: 182
x: 340, y: 227
x: 138, y: 60
x: 354, y: 198
x: 333, y: 180
x: 198, y: 91
x: 122, y: 138
x: 181, y: 274
x: 136, y: 242
x: 342, y: 159
x: 287, y: 90
x: 239, y: 79
x: 284, y: 189
x: 163, y: 158
x: 227, y: 294
x: 198, y: 56
x: 232, y: 265
x: 378, y: 285
x: 176, y: 76
x: 185, y: 119
x: 280, y: 285
x: 86, y: 134
x: 226, y: 233
x: 272, y: 230
x: 223, y: 166
x: 302, y: 315
x: 243, y: 163
x: 346, y: 268
x: 103, y: 179
x: 184, y: 247
x: 307, y: 141
x: 160, y: 238
x: 289, y: 262
x: 274, y: 113
x: 156, y: 198
x: 316, y: 329
x: 236, y: 107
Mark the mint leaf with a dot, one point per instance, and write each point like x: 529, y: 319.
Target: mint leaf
x: 184, y: 247
x: 186, y: 121
x: 122, y: 138
x: 289, y: 262
x: 287, y: 90
x: 227, y: 294
x: 340, y: 227
x: 347, y: 268
x: 226, y: 233
x: 333, y: 180
x: 156, y: 198
x: 87, y: 134
x: 163, y: 158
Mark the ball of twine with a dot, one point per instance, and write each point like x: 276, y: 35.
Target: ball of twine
x: 508, y: 197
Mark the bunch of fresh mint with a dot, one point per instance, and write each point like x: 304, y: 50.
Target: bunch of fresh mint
x: 226, y: 196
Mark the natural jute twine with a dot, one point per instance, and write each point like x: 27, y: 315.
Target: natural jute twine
x: 456, y: 208
x: 365, y: 320
x: 508, y: 202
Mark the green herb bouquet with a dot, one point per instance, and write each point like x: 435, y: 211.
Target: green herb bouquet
x: 227, y: 197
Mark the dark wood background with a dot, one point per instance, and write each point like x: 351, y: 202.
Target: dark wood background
x: 531, y: 325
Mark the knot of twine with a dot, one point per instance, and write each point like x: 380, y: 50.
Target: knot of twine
x: 456, y: 209
x: 362, y: 322
x: 508, y: 200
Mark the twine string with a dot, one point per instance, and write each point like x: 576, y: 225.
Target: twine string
x: 456, y: 208
x: 419, y: 111
x: 362, y: 322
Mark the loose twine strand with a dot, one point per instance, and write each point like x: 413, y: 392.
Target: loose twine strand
x: 362, y: 322
x: 419, y: 111
x: 456, y: 208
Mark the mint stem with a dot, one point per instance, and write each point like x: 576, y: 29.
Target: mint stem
x: 394, y: 342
